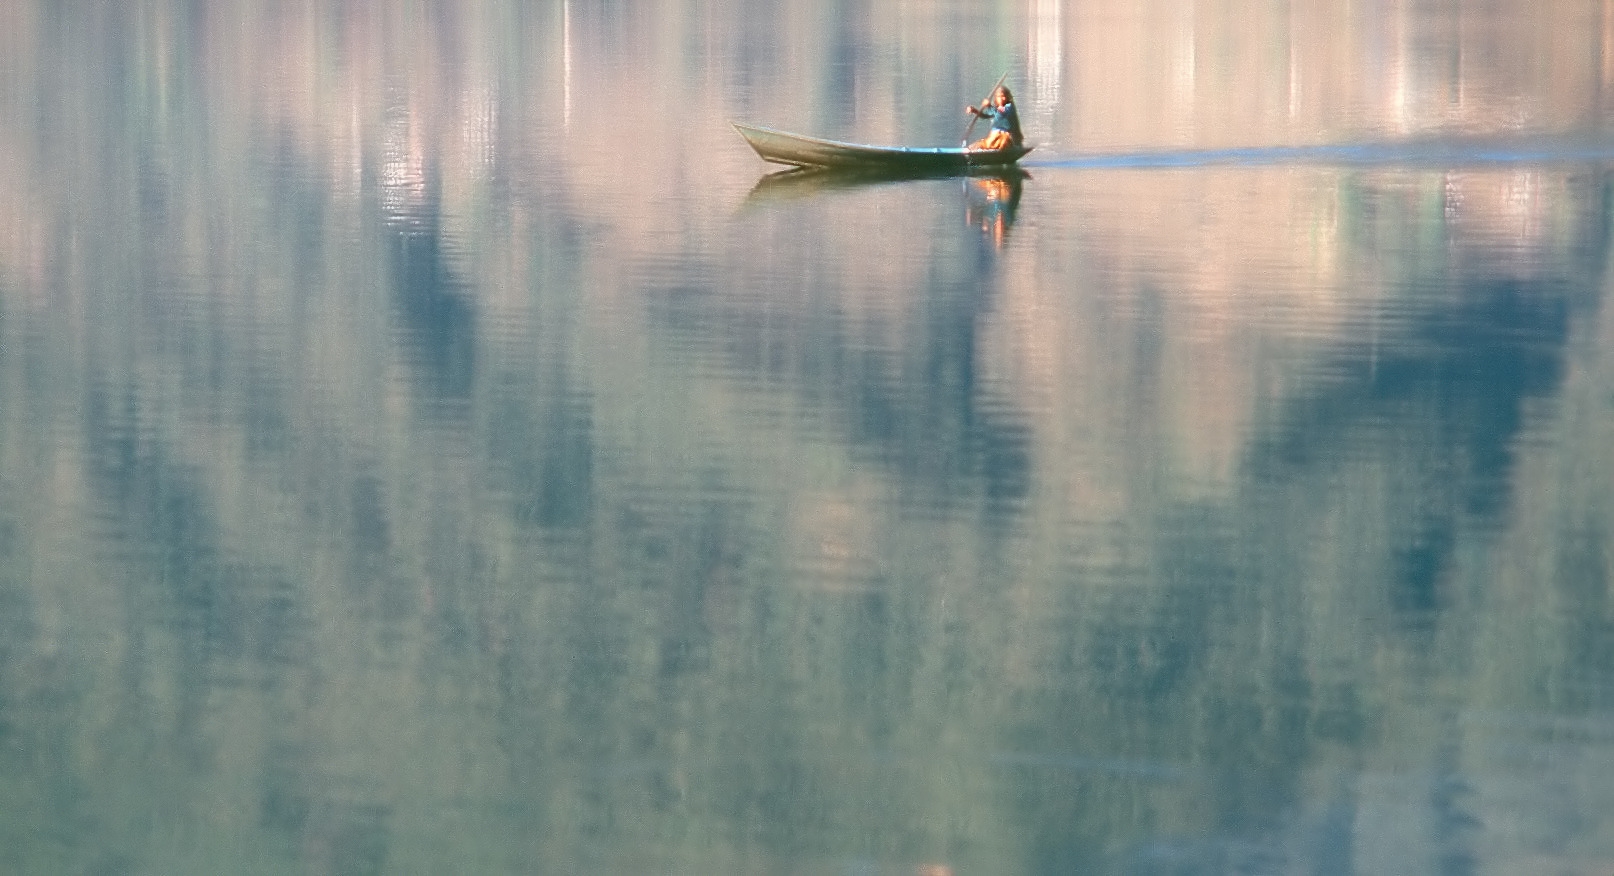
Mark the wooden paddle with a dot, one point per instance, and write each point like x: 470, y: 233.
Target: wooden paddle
x: 975, y: 117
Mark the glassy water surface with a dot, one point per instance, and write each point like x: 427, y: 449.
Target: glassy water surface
x: 430, y: 442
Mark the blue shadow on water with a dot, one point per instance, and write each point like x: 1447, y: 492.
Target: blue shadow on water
x: 436, y: 315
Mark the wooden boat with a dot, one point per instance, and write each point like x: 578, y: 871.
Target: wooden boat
x: 798, y: 150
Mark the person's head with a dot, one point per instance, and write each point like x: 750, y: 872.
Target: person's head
x: 1002, y: 96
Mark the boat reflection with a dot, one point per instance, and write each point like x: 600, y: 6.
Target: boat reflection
x: 991, y: 195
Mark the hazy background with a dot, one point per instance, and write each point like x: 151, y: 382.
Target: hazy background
x: 426, y: 447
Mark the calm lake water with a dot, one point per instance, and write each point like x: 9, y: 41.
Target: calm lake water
x: 430, y: 443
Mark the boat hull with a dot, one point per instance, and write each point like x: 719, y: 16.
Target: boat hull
x: 796, y: 150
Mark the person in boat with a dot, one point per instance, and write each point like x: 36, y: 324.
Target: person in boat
x: 1005, y: 121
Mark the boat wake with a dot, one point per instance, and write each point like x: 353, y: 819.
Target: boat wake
x: 1425, y: 153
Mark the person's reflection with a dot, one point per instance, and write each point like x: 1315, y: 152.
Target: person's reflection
x: 990, y: 203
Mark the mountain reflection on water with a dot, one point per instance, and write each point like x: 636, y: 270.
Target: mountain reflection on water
x: 428, y: 446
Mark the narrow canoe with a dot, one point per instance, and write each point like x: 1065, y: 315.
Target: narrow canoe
x: 797, y: 150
